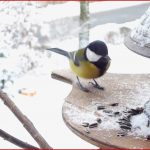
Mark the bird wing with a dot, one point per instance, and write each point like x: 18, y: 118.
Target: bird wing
x: 78, y: 56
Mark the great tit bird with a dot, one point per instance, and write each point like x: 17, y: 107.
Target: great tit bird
x: 90, y: 62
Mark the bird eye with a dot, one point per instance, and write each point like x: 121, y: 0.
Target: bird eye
x: 91, y: 56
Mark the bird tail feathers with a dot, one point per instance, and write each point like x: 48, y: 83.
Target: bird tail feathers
x: 59, y: 51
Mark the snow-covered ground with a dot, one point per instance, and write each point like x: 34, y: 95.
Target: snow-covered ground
x: 29, y: 68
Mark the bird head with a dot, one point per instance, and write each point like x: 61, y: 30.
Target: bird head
x: 96, y: 50
x: 97, y: 53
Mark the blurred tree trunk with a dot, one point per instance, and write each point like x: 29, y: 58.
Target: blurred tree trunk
x: 84, y: 24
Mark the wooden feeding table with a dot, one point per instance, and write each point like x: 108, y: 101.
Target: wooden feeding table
x: 94, y: 116
x: 139, y: 39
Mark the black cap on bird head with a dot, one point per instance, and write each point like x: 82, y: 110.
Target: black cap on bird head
x: 97, y: 53
x: 98, y: 47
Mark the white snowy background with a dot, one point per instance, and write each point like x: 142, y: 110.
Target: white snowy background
x: 24, y: 64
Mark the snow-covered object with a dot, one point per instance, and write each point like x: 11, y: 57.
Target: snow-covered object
x: 141, y: 33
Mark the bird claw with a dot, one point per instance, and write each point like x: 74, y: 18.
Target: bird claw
x: 96, y: 85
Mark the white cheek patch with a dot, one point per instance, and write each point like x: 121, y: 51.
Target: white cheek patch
x: 91, y: 56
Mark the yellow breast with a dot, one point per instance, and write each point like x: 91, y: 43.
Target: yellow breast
x: 85, y: 70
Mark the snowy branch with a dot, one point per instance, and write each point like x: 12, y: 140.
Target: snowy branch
x: 24, y: 120
x: 15, y: 141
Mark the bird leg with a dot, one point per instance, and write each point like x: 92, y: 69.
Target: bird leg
x: 81, y: 86
x: 96, y: 85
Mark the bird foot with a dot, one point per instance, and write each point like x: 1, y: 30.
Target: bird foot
x: 82, y: 88
x: 96, y: 85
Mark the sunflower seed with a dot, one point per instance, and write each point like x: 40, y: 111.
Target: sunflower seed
x: 125, y: 124
x: 114, y: 104
x: 136, y: 111
x: 100, y: 107
x: 125, y: 127
x: 117, y: 113
x: 93, y: 125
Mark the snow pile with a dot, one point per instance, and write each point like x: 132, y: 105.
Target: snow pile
x: 141, y: 33
x: 139, y: 126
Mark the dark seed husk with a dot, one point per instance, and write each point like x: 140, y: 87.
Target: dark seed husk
x: 99, y: 120
x: 122, y: 134
x: 135, y: 111
x: 85, y: 124
x: 125, y: 124
x: 100, y: 107
x: 140, y: 109
x: 117, y: 113
x: 114, y: 104
x: 125, y: 127
x: 93, y: 125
